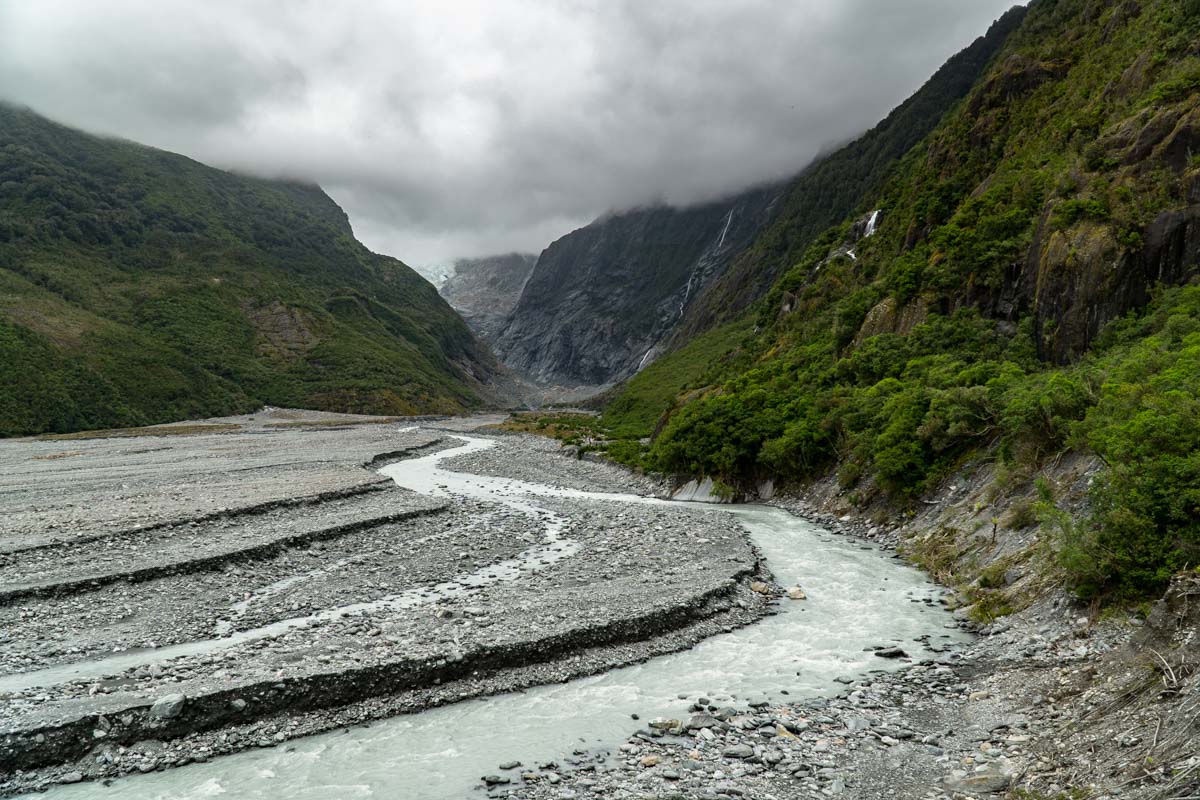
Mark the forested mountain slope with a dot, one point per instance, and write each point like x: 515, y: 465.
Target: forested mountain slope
x: 139, y: 286
x: 1031, y: 289
x: 835, y: 185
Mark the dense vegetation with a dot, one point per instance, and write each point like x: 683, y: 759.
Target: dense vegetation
x: 1027, y: 293
x: 138, y: 286
x: 833, y: 186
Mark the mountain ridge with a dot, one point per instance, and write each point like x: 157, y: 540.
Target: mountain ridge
x: 485, y: 290
x: 140, y: 286
x: 608, y: 298
x: 1032, y: 291
x: 602, y: 297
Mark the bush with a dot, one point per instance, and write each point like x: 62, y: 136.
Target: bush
x: 1023, y: 515
x: 1144, y: 523
x: 1072, y: 211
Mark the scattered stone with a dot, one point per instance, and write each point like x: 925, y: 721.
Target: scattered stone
x: 740, y: 751
x: 987, y: 780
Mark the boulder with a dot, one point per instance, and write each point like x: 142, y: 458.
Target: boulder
x: 167, y: 707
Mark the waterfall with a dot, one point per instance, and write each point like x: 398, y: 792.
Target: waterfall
x: 725, y: 230
x: 872, y: 223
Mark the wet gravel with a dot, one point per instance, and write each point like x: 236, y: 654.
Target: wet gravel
x: 536, y: 459
x: 363, y: 567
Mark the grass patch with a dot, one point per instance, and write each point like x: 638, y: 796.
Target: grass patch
x: 938, y: 552
x: 569, y: 427
x: 988, y: 605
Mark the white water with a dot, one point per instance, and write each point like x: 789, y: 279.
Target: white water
x: 858, y: 597
x: 725, y: 230
x: 642, y: 363
x: 872, y: 223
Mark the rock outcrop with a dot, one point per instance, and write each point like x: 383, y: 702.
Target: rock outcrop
x: 485, y: 290
x: 603, y: 299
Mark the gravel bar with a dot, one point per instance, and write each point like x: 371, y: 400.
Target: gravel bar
x: 204, y: 621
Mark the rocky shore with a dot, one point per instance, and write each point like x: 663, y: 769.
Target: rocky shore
x: 969, y: 723
x: 1050, y: 701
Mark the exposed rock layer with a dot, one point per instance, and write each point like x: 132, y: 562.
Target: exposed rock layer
x: 485, y: 290
x: 603, y: 298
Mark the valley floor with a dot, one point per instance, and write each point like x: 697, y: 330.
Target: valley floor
x: 168, y: 598
x: 200, y: 589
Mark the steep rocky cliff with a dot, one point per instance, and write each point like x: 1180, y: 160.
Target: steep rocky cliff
x: 603, y: 298
x: 485, y: 290
x: 609, y: 298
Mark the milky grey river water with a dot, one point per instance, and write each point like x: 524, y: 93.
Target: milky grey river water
x: 858, y: 597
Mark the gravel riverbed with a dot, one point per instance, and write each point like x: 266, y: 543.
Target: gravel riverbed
x: 167, y: 599
x: 1048, y: 701
x: 204, y: 624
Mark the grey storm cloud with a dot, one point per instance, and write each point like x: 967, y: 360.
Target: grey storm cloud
x: 470, y: 127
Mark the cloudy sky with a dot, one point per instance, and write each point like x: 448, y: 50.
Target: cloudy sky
x: 470, y: 127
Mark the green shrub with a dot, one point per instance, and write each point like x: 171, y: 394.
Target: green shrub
x: 1072, y: 211
x: 1023, y: 515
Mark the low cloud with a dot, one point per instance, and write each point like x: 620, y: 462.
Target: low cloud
x: 483, y: 126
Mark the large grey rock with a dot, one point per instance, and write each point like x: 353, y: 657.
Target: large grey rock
x: 990, y: 780
x: 167, y: 707
x: 891, y: 652
x: 741, y: 751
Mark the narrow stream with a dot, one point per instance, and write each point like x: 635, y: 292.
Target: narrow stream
x: 858, y: 597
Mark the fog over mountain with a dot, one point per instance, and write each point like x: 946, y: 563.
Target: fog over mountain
x: 481, y: 126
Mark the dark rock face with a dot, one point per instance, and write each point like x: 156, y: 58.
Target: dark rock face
x: 603, y: 299
x: 1081, y: 279
x: 610, y: 297
x: 484, y: 290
